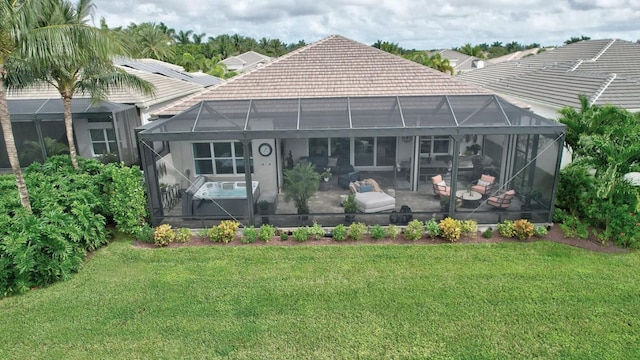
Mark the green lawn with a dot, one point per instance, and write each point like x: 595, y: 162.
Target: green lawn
x: 489, y: 301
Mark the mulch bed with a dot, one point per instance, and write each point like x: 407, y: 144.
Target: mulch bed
x: 555, y: 234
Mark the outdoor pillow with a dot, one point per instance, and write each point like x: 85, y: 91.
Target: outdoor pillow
x: 366, y: 188
x: 483, y: 183
x: 442, y: 183
x: 333, y: 161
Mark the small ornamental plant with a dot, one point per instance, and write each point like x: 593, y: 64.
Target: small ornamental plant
x: 267, y: 232
x: 145, y: 233
x: 284, y: 236
x: 339, y: 232
x: 356, y: 231
x: 392, y: 232
x: 506, y: 229
x: 163, y: 235
x: 540, y: 231
x: 523, y: 229
x: 451, y: 229
x: 414, y: 230
x: 377, y: 232
x: 316, y: 231
x: 249, y: 235
x: 432, y: 228
x: 487, y: 234
x: 468, y: 227
x: 301, y: 234
x: 224, y: 232
x: 183, y: 235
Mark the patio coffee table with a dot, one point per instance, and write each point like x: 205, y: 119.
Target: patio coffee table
x: 469, y: 197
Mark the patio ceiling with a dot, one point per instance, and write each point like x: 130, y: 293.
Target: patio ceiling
x: 349, y: 116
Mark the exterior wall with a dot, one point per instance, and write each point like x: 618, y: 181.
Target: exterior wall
x: 264, y: 167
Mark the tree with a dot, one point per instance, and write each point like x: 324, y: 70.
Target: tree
x: 575, y: 39
x: 150, y: 41
x: 16, y: 18
x: 470, y: 50
x: 183, y: 37
x: 435, y: 61
x: 85, y: 66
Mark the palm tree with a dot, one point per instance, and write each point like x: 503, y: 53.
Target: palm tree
x: 15, y: 20
x: 86, y: 66
x: 197, y: 38
x: 183, y: 37
x: 150, y: 41
x: 435, y: 61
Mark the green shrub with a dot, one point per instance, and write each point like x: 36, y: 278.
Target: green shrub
x: 572, y: 227
x: 183, y: 235
x: 316, y: 231
x: 249, y: 235
x: 451, y: 229
x: 214, y: 234
x: 506, y: 229
x: 432, y: 228
x: 144, y: 234
x: 301, y: 234
x: 559, y: 215
x: 267, y: 232
x: 522, y: 229
x: 468, y: 227
x: 227, y: 230
x: 487, y: 234
x: 339, y: 233
x: 377, y: 232
x: 414, y: 230
x: 127, y: 201
x: 163, y: 235
x: 356, y: 231
x: 284, y: 236
x: 540, y: 231
x: 392, y: 231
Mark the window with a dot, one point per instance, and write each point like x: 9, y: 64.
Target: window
x: 220, y: 158
x: 437, y: 145
x: 103, y: 141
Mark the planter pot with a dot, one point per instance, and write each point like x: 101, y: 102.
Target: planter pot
x: 350, y: 218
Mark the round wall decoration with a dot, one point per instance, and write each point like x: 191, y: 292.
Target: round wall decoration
x: 265, y: 149
x: 407, y: 139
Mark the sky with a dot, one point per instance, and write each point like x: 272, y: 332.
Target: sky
x: 412, y: 24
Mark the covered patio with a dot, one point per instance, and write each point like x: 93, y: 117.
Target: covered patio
x: 401, y: 142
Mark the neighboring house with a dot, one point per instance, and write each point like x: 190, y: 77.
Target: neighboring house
x: 36, y: 113
x: 246, y: 61
x: 460, y: 62
x: 353, y: 108
x: 515, y: 55
x: 607, y: 71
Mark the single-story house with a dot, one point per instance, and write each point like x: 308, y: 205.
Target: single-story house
x: 419, y: 134
x: 107, y: 128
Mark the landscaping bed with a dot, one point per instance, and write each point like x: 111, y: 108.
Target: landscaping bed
x: 554, y: 234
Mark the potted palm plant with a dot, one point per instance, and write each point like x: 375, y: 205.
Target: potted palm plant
x: 350, y: 207
x: 300, y: 183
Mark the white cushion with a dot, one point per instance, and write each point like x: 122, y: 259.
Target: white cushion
x: 483, y: 183
x: 373, y: 201
x: 442, y: 183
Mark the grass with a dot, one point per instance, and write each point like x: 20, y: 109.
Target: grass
x: 484, y: 301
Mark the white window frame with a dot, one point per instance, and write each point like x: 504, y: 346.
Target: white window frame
x: 213, y: 158
x: 105, y: 140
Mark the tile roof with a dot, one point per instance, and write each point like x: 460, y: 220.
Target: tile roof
x: 166, y: 89
x: 168, y: 70
x: 460, y: 62
x: 246, y: 61
x: 607, y: 71
x: 516, y: 55
x: 333, y: 67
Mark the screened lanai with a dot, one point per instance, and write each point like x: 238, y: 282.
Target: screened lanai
x: 99, y: 129
x: 403, y: 143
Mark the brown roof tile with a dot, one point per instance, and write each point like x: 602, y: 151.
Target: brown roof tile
x: 333, y: 67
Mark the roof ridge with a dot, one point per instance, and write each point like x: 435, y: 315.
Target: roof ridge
x: 602, y: 89
x: 595, y: 58
x: 246, y: 73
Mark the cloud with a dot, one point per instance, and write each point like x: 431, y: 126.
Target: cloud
x: 420, y: 24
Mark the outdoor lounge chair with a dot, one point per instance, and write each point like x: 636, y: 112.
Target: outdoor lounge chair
x: 370, y: 198
x: 440, y: 188
x: 345, y: 179
x: 501, y: 201
x: 484, y: 185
